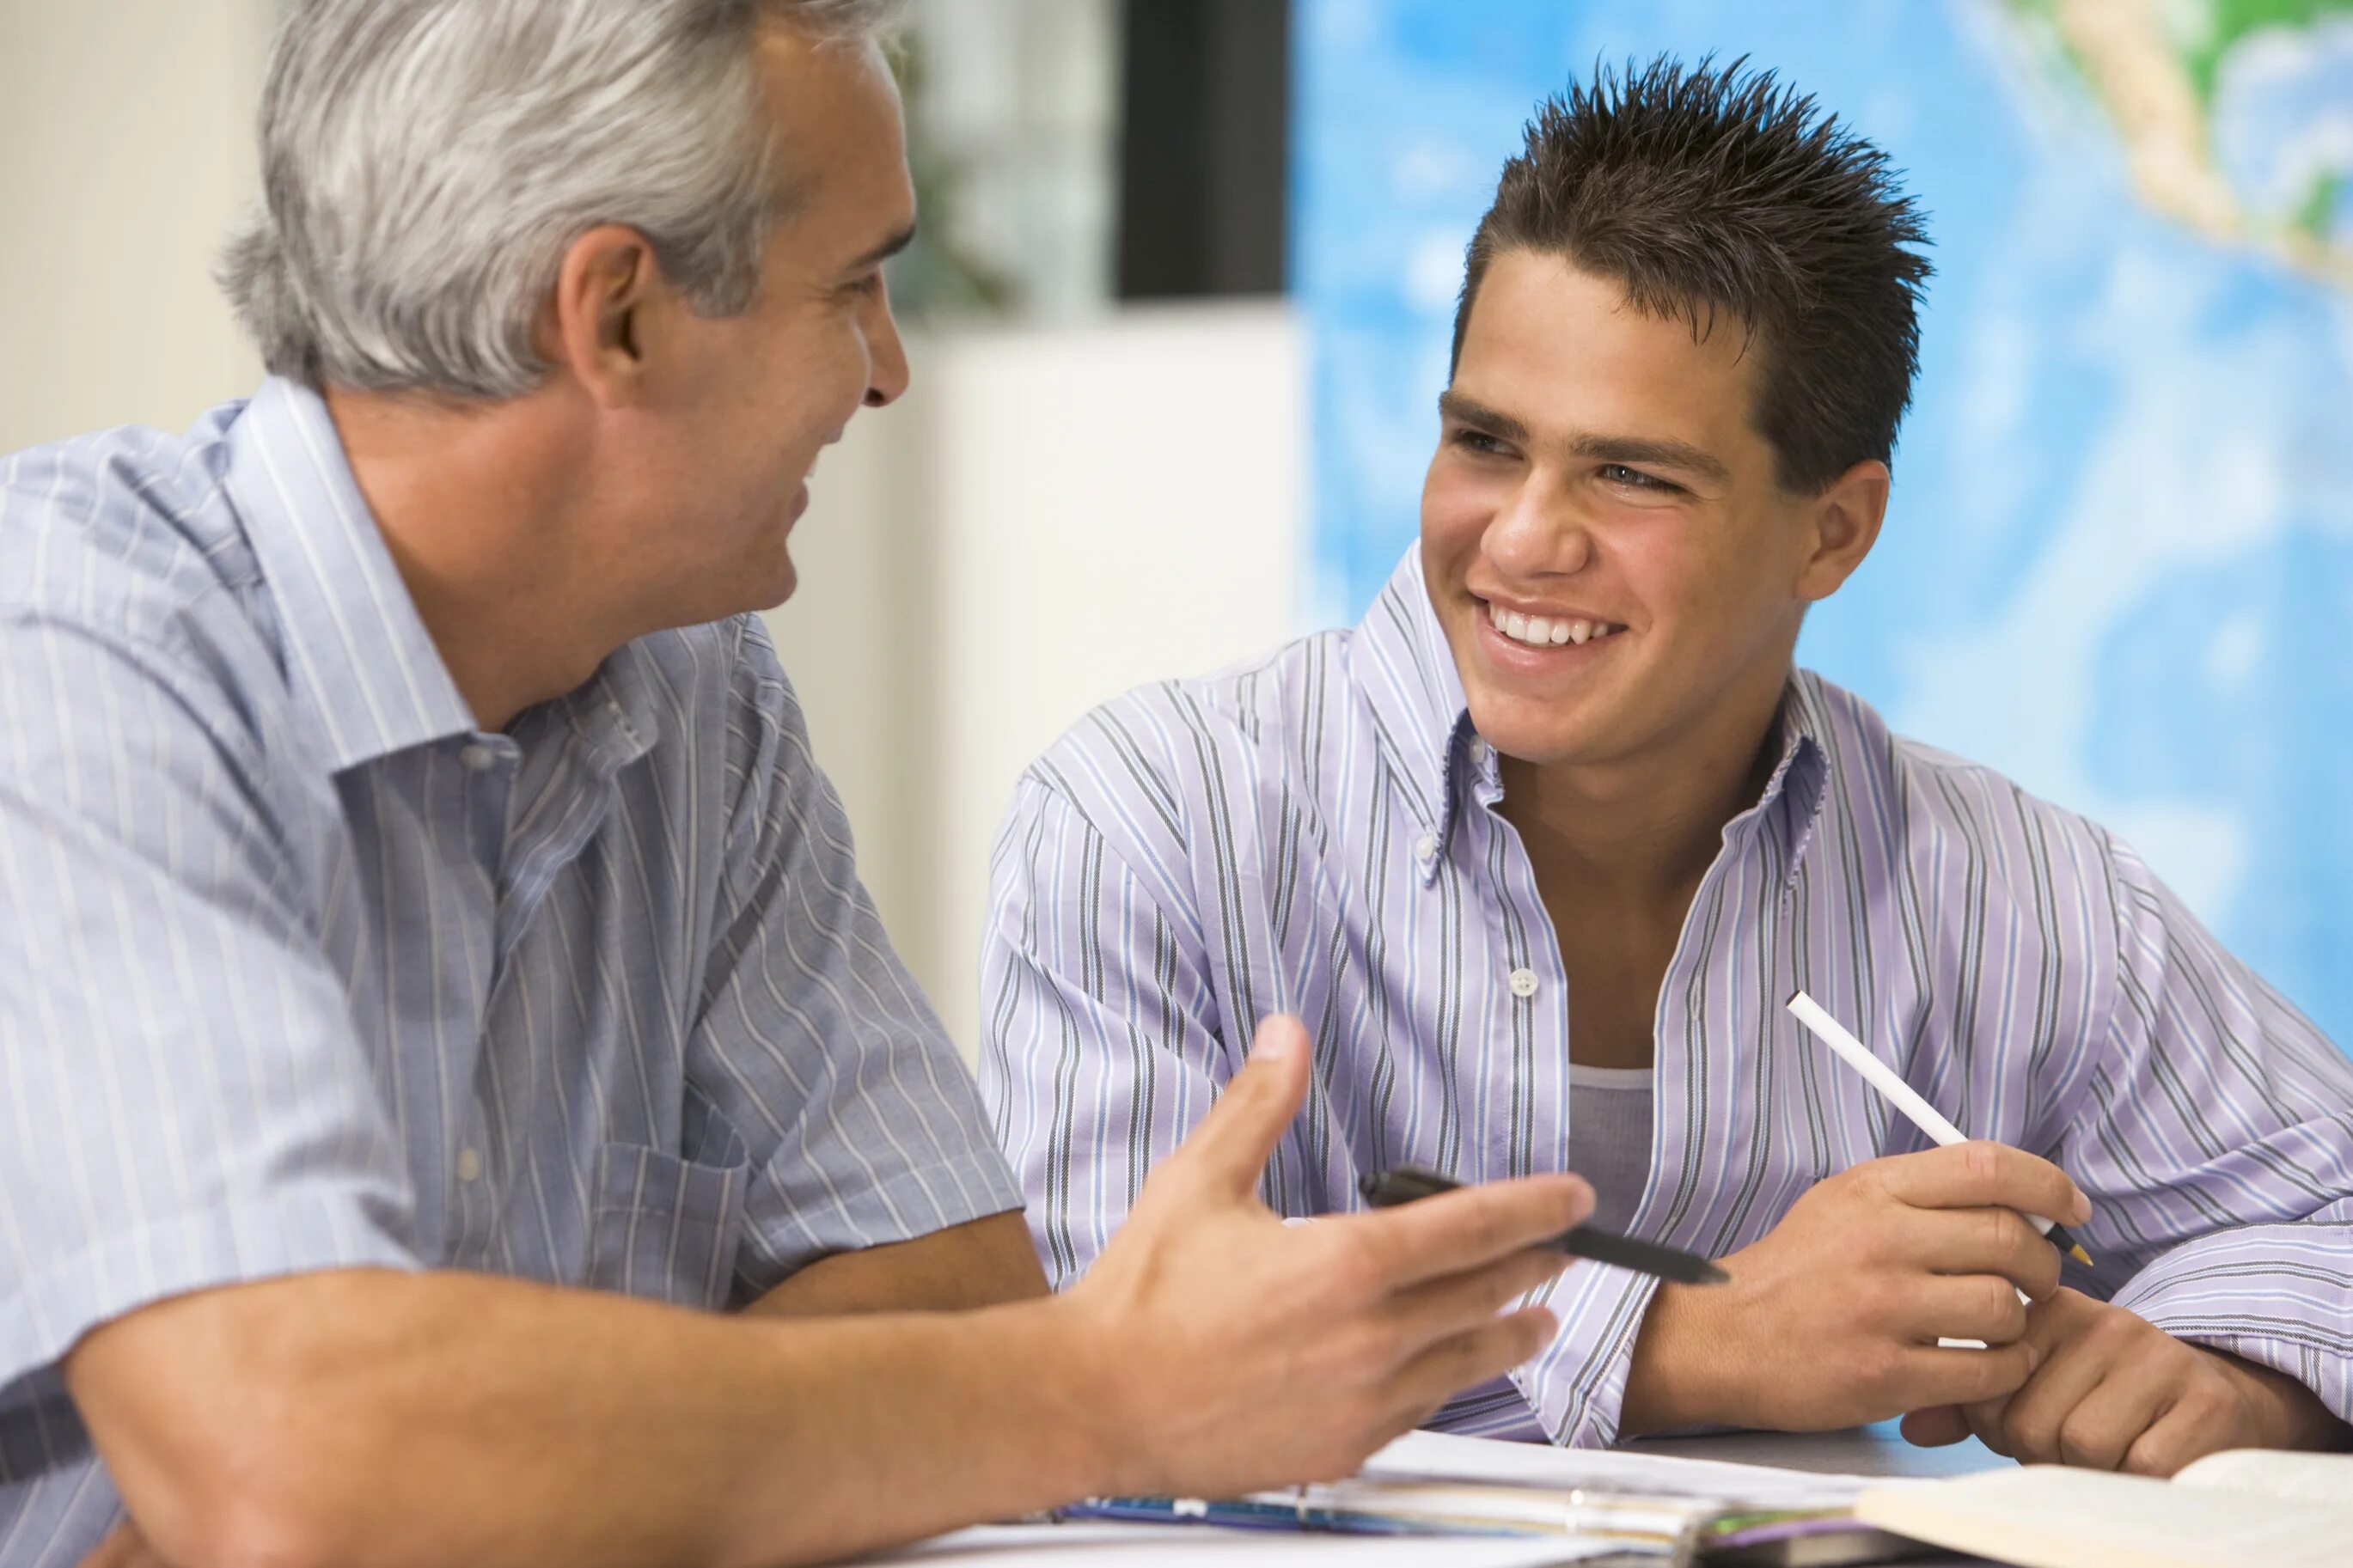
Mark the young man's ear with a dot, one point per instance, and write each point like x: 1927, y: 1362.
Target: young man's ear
x: 595, y: 324
x: 1845, y: 525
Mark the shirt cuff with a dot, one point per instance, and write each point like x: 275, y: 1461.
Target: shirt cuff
x: 788, y: 1228
x: 2278, y: 1295
x: 1577, y: 1387
x: 298, y: 1230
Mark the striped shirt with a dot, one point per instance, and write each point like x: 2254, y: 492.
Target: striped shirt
x: 1317, y: 834
x: 299, y: 971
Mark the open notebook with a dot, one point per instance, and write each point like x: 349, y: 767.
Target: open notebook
x: 1595, y: 1506
x: 2276, y: 1510
x: 2246, y: 1506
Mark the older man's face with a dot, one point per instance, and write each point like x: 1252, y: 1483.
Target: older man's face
x: 759, y: 395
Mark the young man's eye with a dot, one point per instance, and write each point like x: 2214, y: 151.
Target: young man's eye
x: 1478, y: 441
x: 1633, y: 479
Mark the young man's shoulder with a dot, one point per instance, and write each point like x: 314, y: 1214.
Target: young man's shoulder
x: 1932, y: 806
x: 1223, y: 736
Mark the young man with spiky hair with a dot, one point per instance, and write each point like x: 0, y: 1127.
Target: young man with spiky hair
x: 1539, y: 850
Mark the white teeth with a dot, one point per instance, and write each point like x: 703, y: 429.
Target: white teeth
x: 1542, y: 631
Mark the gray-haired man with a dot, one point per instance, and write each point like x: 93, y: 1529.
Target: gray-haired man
x: 413, y: 945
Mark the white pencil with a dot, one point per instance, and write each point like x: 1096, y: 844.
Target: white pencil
x: 1902, y: 1095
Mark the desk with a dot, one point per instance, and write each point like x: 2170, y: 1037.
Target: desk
x: 1878, y: 1450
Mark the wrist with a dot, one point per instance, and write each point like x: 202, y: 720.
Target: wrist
x: 1088, y: 1395
x: 2281, y: 1412
x: 1674, y: 1378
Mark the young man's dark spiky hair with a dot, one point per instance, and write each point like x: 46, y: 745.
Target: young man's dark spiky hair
x: 1708, y: 192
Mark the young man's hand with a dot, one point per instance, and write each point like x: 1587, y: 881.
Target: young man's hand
x: 1833, y: 1318
x: 1229, y: 1352
x: 2113, y: 1392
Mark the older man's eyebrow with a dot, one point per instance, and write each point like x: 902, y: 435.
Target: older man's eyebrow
x: 1462, y: 410
x: 1650, y: 453
x: 884, y: 251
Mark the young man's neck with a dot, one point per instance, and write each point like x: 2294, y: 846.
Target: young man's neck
x: 1643, y: 831
x: 470, y: 504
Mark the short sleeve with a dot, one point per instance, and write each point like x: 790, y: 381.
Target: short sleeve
x: 182, y: 1102
x: 813, y: 1042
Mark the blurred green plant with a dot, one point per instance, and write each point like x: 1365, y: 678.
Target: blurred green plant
x: 940, y: 276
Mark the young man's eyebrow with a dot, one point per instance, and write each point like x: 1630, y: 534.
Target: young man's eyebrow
x: 884, y: 251
x: 1646, y: 450
x: 1454, y: 406
x: 1650, y: 453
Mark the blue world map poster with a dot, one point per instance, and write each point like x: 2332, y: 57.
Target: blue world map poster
x: 2118, y: 561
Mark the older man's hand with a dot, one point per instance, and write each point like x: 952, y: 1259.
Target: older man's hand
x: 2111, y: 1391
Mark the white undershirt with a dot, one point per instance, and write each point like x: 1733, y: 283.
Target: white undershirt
x: 1609, y: 1137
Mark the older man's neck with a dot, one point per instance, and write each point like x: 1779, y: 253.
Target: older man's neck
x: 472, y: 503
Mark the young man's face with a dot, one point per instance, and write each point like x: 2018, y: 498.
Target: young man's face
x: 1598, y: 476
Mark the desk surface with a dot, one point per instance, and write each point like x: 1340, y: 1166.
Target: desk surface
x: 1878, y: 1450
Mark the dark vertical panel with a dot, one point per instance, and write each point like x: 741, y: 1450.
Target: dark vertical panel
x: 1204, y: 147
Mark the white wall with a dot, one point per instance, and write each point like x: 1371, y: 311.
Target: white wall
x: 126, y: 145
x: 1048, y: 518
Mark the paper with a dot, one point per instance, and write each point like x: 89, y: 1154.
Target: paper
x: 1437, y: 1455
x: 1180, y: 1545
x: 2046, y: 1516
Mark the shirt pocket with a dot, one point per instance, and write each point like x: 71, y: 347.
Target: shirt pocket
x: 665, y: 1228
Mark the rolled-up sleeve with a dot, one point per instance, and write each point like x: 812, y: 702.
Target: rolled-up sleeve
x: 2216, y: 1144
x: 182, y: 1102
x: 814, y: 1043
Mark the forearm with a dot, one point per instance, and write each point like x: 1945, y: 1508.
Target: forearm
x: 390, y: 1419
x: 2270, y: 1294
x: 983, y: 1263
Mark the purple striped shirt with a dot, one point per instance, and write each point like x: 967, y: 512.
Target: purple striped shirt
x: 1318, y: 833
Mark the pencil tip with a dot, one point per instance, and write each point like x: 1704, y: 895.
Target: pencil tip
x: 2079, y: 1255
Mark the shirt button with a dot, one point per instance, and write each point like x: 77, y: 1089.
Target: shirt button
x: 470, y: 1165
x: 1424, y: 849
x: 1523, y: 983
x: 479, y: 757
x: 1479, y: 750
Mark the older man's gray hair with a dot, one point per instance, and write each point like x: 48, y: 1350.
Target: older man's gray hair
x: 425, y: 164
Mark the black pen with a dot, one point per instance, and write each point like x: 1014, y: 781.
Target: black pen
x: 1403, y: 1183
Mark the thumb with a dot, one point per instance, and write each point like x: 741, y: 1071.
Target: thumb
x: 1934, y: 1427
x: 1234, y: 1141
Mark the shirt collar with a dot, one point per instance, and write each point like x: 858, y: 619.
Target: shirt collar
x: 1421, y: 719
x: 1401, y: 659
x: 357, y: 652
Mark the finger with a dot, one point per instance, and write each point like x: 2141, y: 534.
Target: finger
x: 2030, y: 1422
x: 1470, y: 1359
x: 2189, y: 1429
x: 1234, y: 1141
x: 1981, y: 1307
x: 123, y: 1547
x: 1439, y: 1308
x: 1470, y: 1226
x: 2105, y: 1422
x: 1934, y: 1427
x: 1979, y: 1174
x: 1983, y: 1241
x: 1926, y: 1376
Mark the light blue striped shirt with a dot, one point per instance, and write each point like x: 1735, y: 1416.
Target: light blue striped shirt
x: 299, y: 971
x: 1318, y: 833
